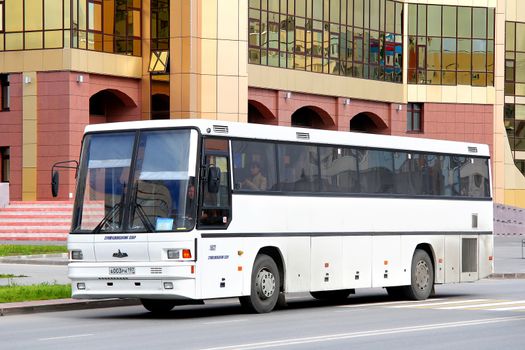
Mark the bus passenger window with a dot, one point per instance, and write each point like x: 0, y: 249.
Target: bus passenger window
x: 254, y: 166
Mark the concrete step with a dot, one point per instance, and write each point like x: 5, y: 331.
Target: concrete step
x: 33, y: 237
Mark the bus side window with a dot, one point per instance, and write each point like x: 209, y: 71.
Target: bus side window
x: 215, y: 209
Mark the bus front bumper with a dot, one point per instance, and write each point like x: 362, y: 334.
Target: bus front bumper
x: 148, y: 281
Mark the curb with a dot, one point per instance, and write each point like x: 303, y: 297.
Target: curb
x: 29, y: 307
x: 42, y: 259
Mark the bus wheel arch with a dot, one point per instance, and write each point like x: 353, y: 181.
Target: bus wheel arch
x: 276, y: 255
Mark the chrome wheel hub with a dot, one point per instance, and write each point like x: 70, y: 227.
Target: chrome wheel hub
x: 265, y: 284
x: 422, y: 275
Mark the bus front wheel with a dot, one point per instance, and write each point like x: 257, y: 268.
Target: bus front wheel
x: 422, y: 283
x: 265, y: 286
x: 158, y: 306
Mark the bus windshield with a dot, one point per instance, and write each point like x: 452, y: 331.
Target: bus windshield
x: 137, y: 182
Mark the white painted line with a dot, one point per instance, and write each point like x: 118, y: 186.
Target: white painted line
x: 227, y: 321
x: 67, y: 337
x: 443, y: 303
x: 496, y: 303
x: 508, y: 308
x: 372, y: 333
x: 411, y: 302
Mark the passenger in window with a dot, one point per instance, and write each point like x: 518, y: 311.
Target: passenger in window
x: 257, y: 181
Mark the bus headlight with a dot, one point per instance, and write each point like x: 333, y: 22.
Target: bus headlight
x: 76, y: 255
x: 173, y: 254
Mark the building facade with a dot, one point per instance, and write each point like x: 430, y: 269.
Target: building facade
x: 421, y: 68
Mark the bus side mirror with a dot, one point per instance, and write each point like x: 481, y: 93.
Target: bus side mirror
x: 55, y: 180
x: 214, y: 179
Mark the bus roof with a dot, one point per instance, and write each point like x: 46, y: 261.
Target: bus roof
x: 294, y: 134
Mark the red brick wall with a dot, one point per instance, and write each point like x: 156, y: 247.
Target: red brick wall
x: 11, y: 135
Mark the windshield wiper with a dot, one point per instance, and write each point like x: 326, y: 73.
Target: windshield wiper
x: 106, y: 218
x: 144, y: 218
x: 140, y: 211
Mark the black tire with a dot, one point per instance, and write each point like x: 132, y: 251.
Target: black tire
x: 422, y: 277
x: 265, y: 286
x: 332, y: 295
x: 158, y: 306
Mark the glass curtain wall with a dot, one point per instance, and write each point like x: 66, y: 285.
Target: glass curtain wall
x: 112, y: 26
x: 357, y: 38
x: 514, y: 117
x: 159, y: 59
x: 33, y: 24
x: 450, y: 45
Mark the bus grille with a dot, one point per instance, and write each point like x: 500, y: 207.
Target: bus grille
x: 156, y: 270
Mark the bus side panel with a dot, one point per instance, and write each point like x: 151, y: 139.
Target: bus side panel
x: 469, y: 258
x: 486, y: 250
x: 386, y: 261
x: 357, y: 262
x: 452, y: 255
x: 217, y: 267
x: 326, y: 263
x: 297, y: 265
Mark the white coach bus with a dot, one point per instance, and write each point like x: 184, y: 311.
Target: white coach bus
x: 177, y: 211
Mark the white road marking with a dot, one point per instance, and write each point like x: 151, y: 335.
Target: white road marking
x: 411, y: 302
x: 372, y: 333
x: 227, y: 321
x: 484, y: 305
x: 66, y: 337
x: 508, y: 308
x: 440, y: 303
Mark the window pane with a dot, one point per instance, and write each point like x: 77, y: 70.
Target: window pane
x: 520, y: 67
x: 464, y: 22
x: 53, y: 14
x: 298, y: 168
x: 13, y: 16
x: 449, y: 21
x: 474, y: 178
x: 254, y: 166
x: 520, y: 37
x: 412, y: 19
x: 376, y: 171
x: 33, y: 40
x: 449, y: 54
x: 479, y: 22
x: 434, y: 20
x: 422, y: 20
x: 14, y: 41
x: 510, y: 36
x: 464, y: 54
x: 479, y: 55
x: 434, y: 53
x: 338, y: 170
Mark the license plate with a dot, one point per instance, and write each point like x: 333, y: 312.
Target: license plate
x: 121, y: 270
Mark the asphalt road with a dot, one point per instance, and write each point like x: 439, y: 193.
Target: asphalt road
x: 487, y: 314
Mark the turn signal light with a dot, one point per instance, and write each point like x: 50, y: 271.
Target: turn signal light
x: 491, y: 258
x: 186, y: 254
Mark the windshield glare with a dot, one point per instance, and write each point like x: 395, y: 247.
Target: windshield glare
x: 157, y: 194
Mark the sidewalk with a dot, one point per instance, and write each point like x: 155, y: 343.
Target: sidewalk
x: 52, y: 268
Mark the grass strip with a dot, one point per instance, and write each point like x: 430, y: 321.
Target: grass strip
x: 9, y: 275
x: 12, y: 249
x: 44, y: 291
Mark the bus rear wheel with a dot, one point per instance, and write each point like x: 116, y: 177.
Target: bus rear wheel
x: 422, y: 283
x: 158, y: 306
x: 265, y: 286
